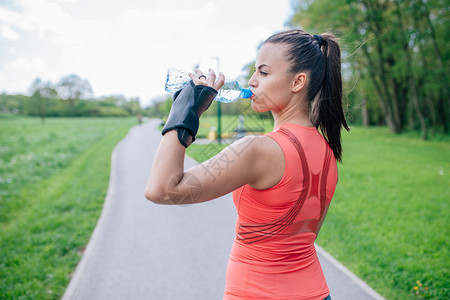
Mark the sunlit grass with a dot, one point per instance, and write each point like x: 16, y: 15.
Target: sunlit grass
x: 230, y: 123
x: 390, y: 211
x: 51, y: 213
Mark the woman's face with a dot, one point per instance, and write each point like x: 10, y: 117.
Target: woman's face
x: 271, y: 83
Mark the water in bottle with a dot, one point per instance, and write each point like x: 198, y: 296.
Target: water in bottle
x: 230, y: 91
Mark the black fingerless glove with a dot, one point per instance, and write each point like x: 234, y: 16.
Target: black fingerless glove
x: 188, y: 104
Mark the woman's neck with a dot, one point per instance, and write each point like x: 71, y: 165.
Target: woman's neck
x: 297, y: 114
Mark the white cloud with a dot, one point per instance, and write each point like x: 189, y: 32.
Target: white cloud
x: 66, y: 1
x: 18, y: 74
x: 8, y: 33
x: 43, y: 16
x: 27, y: 65
x: 8, y: 16
x: 80, y: 31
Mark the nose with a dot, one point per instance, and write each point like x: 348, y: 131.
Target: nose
x: 252, y: 82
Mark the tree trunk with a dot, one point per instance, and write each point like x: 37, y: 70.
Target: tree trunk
x: 423, y: 124
x: 436, y: 48
x: 365, y: 115
x: 412, y: 84
x: 444, y: 114
x: 411, y: 124
x: 380, y: 92
x: 391, y: 111
x: 72, y: 107
x: 42, y: 108
x: 443, y: 98
x: 395, y: 107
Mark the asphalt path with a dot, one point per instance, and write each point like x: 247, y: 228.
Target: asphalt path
x: 140, y: 250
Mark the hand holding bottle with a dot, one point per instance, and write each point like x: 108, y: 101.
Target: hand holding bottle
x: 200, y: 79
x: 188, y: 105
x: 229, y: 92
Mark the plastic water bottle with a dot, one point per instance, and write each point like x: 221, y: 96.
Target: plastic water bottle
x: 230, y: 91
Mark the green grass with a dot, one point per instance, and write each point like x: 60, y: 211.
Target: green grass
x: 54, y: 182
x: 202, y: 153
x: 388, y: 221
x: 230, y: 123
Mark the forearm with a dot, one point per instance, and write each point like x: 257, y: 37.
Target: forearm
x: 167, y: 169
x: 165, y: 182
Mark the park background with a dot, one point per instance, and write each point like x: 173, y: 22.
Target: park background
x: 388, y: 222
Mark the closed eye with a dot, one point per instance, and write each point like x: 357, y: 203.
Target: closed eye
x: 260, y: 69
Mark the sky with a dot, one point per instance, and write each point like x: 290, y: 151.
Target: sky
x: 126, y: 46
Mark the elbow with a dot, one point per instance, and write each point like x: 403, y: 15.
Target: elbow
x: 156, y: 196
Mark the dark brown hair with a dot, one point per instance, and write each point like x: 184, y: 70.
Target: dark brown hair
x: 321, y: 57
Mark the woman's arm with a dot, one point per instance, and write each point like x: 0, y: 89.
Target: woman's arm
x: 238, y: 164
x: 258, y: 161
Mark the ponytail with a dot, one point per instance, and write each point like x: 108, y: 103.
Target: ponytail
x: 321, y: 56
x: 327, y: 112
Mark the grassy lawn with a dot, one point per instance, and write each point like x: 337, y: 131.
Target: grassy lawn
x: 230, y: 123
x: 53, y: 181
x: 388, y: 222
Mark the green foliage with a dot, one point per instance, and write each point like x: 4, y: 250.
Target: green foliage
x: 71, y: 96
x: 396, y: 57
x: 37, y: 105
x: 72, y: 87
x: 53, y: 184
x: 159, y: 109
x: 387, y: 221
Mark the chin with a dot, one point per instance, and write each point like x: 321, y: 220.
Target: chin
x: 259, y: 108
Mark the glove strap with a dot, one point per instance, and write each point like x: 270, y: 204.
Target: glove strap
x: 185, y: 137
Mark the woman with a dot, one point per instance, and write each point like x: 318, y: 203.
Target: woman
x: 282, y: 182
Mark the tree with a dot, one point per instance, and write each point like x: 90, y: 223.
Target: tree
x: 133, y: 106
x: 397, y: 49
x: 74, y: 88
x: 41, y: 93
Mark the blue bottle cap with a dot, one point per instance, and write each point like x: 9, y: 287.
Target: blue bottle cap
x: 246, y: 93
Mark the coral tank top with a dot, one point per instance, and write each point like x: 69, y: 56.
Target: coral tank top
x: 273, y: 254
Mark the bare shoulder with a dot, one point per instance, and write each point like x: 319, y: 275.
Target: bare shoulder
x: 267, y: 160
x: 254, y: 160
x: 259, y: 146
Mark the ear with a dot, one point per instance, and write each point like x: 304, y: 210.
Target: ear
x: 299, y: 82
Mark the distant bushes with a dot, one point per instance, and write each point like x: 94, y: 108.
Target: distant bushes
x: 71, y: 96
x: 113, y: 106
